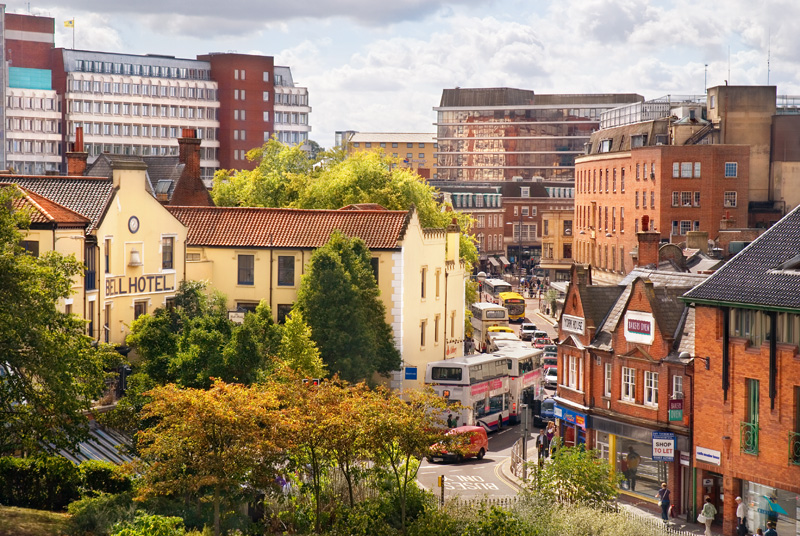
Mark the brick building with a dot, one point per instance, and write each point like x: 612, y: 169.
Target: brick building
x: 747, y: 423
x: 624, y: 363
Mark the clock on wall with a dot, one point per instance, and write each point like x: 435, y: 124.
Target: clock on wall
x: 133, y: 224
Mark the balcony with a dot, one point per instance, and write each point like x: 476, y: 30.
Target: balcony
x: 748, y: 438
x: 794, y: 448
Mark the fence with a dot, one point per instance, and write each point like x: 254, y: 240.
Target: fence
x: 658, y: 526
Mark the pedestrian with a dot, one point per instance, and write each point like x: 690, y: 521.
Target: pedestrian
x: 709, y: 512
x: 741, y: 517
x: 663, y: 501
x: 542, y: 446
x: 759, y: 532
x: 633, y: 460
x: 771, y: 529
x: 450, y: 421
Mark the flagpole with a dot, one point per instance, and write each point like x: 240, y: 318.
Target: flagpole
x: 73, y: 34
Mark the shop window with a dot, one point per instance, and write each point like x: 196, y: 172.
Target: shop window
x: 286, y: 270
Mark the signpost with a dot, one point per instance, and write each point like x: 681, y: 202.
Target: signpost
x: 663, y: 446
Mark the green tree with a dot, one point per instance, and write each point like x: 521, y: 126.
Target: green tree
x: 208, y: 443
x: 339, y: 299
x: 575, y: 475
x: 297, y: 348
x: 49, y: 370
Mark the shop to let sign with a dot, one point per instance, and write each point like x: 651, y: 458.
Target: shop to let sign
x: 663, y: 446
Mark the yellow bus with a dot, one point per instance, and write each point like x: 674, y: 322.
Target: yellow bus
x: 515, y: 305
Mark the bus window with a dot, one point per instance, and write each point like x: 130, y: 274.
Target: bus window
x: 452, y: 374
x: 496, y: 314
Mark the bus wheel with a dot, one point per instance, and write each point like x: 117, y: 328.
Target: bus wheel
x: 481, y: 454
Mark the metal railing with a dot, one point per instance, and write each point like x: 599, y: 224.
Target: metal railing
x: 748, y: 437
x: 794, y: 448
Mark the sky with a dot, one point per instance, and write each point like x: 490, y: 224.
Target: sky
x: 375, y: 66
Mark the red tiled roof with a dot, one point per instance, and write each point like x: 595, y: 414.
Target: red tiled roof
x: 284, y: 227
x: 43, y: 210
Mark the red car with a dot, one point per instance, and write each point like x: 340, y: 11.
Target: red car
x: 468, y: 441
x: 541, y: 343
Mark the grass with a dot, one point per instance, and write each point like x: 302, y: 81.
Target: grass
x: 26, y: 522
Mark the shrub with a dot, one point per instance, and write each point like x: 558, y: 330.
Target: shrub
x: 97, y: 515
x: 438, y: 522
x: 497, y: 522
x: 103, y: 477
x: 366, y: 518
x: 151, y: 525
x: 45, y: 483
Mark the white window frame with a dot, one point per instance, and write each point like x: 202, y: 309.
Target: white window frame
x: 731, y: 170
x: 572, y: 379
x: 651, y: 389
x: 677, y: 386
x: 608, y: 371
x: 730, y: 199
x: 628, y: 387
x: 686, y: 170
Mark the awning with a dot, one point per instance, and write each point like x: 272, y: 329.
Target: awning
x: 494, y: 261
x: 504, y: 261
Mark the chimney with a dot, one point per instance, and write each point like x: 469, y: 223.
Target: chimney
x: 727, y: 222
x: 648, y: 244
x: 76, y: 159
x: 189, y: 150
x: 697, y: 240
x: 190, y: 191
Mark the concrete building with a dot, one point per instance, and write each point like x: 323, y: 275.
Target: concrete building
x: 414, y: 151
x: 138, y: 105
x: 496, y: 134
x: 747, y: 423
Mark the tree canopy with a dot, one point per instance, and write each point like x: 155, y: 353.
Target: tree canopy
x: 49, y: 371
x: 284, y: 179
x: 339, y: 299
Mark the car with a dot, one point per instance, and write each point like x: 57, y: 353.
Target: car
x: 541, y: 343
x: 539, y: 334
x: 550, y: 362
x: 551, y: 377
x: 466, y: 442
x: 550, y: 350
x: 526, y: 331
x: 543, y: 411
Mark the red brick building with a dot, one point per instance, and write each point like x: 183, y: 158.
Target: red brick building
x: 747, y: 423
x: 679, y: 188
x: 624, y: 361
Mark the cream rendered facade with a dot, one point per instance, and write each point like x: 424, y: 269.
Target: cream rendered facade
x: 421, y: 253
x: 130, y: 286
x: 32, y: 136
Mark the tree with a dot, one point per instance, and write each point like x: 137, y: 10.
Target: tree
x: 401, y: 433
x: 575, y: 475
x: 297, y: 348
x: 208, y: 442
x: 49, y: 371
x: 339, y: 299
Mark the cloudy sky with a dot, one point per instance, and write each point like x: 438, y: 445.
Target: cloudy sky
x: 377, y: 66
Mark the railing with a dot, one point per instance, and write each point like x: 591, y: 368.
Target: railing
x: 794, y: 448
x: 748, y: 438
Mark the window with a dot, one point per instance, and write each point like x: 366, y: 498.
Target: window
x: 525, y: 211
x: 286, y: 270
x: 653, y: 200
x: 676, y: 199
x: 676, y: 170
x: 622, y: 179
x: 607, y: 380
x: 139, y: 308
x: 636, y: 197
x: 686, y: 199
x: 731, y: 169
x: 730, y: 200
x: 422, y: 155
x: 628, y: 384
x: 283, y: 311
x: 697, y: 170
x: 246, y: 269
x: 686, y: 226
x: 422, y: 325
x: 423, y: 274
x: 697, y: 199
x: 749, y: 428
x: 525, y: 191
x: 686, y: 170
x: 375, y: 263
x: 167, y: 252
x: 438, y: 276
x: 651, y: 388
x: 677, y: 387
x: 409, y: 145
x: 436, y: 329
x: 107, y: 250
x: 572, y: 378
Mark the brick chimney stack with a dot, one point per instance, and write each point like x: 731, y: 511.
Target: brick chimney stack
x: 649, y: 242
x: 727, y: 222
x: 76, y: 159
x: 189, y: 151
x: 190, y: 191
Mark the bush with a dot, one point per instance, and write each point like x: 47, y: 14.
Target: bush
x: 497, y: 522
x: 437, y: 522
x: 366, y: 518
x: 44, y: 483
x: 97, y: 515
x: 151, y: 525
x: 103, y: 477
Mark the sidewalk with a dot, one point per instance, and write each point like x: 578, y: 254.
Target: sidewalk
x: 636, y: 507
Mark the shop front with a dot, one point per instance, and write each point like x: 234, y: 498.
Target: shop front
x: 573, y: 425
x: 766, y: 503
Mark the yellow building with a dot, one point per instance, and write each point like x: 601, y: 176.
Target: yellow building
x: 414, y: 151
x: 556, y: 261
x: 250, y: 254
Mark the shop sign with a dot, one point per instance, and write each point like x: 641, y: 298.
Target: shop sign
x: 702, y: 454
x: 676, y: 409
x: 411, y: 373
x: 685, y: 459
x: 145, y: 284
x: 236, y: 316
x: 639, y: 327
x: 663, y: 446
x: 573, y: 324
x: 572, y: 417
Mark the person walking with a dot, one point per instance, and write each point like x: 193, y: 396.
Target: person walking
x: 632, y: 460
x: 663, y: 501
x: 771, y: 529
x: 709, y: 511
x: 550, y: 434
x: 741, y: 517
x: 542, y: 446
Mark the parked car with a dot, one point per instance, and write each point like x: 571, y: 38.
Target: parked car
x: 526, y: 331
x: 467, y: 441
x: 550, y: 350
x: 550, y: 361
x: 551, y: 377
x: 539, y: 334
x: 543, y: 412
x: 541, y: 343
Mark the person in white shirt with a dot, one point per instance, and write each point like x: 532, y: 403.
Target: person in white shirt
x: 741, y: 517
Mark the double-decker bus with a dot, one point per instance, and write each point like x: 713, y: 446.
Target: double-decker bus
x: 525, y: 375
x: 484, y: 316
x: 480, y: 383
x: 515, y: 305
x: 492, y: 289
